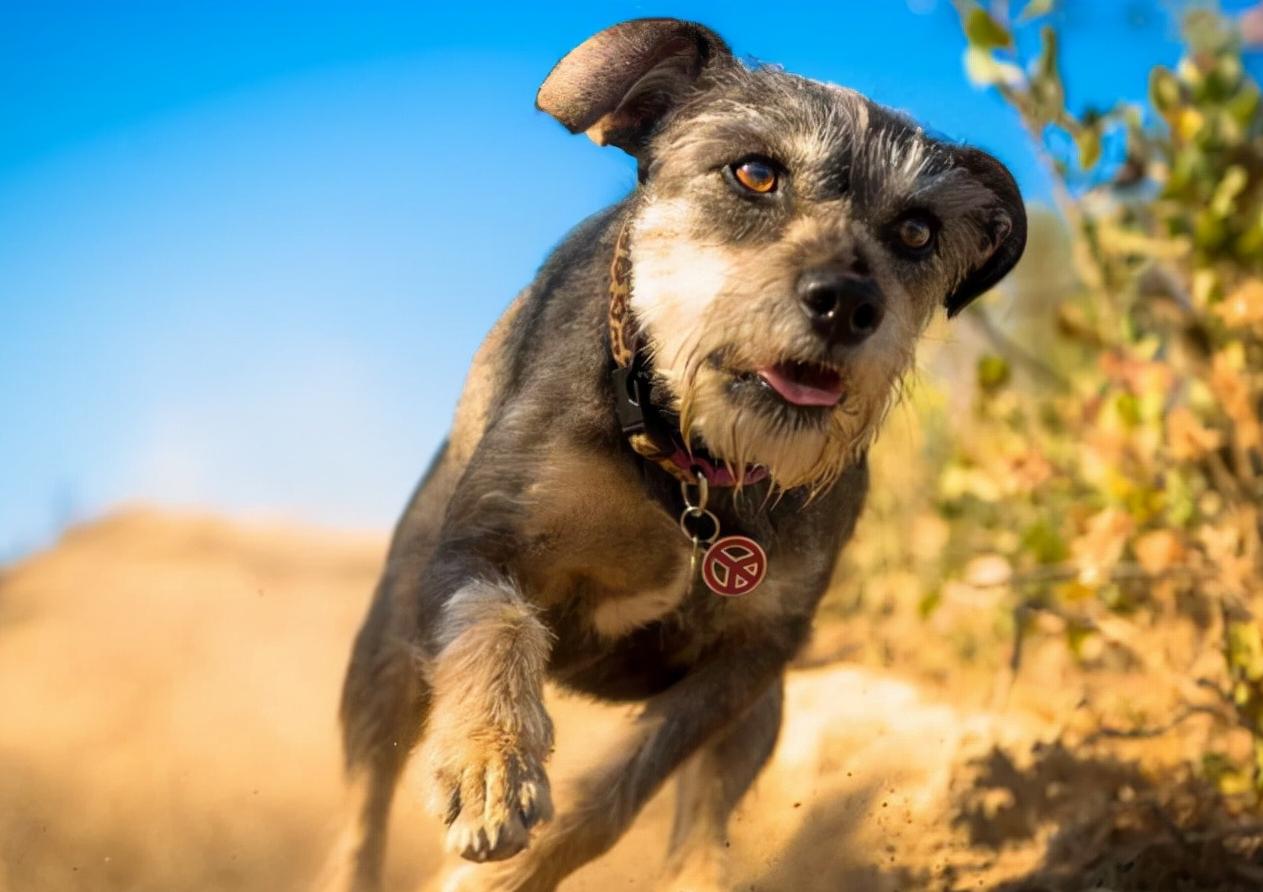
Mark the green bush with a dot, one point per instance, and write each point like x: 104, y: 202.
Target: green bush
x: 1112, y: 471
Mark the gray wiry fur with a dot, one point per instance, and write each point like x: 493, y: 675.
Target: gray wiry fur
x: 539, y: 545
x: 714, y: 277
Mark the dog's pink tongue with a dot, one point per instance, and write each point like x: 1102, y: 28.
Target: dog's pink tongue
x: 824, y: 392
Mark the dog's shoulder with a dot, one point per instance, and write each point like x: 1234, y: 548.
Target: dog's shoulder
x: 542, y: 340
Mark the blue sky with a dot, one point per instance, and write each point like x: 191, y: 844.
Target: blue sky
x: 247, y: 248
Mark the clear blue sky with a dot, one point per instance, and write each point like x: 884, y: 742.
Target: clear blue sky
x: 247, y: 248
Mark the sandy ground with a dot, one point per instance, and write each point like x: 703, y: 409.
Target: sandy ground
x: 168, y: 689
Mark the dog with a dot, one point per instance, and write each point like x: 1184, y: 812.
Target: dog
x: 658, y: 454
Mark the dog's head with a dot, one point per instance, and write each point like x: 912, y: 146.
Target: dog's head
x: 790, y: 242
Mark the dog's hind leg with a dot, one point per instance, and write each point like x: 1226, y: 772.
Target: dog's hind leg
x: 384, y: 703
x: 708, y: 788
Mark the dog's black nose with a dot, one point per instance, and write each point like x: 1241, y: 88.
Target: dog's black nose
x: 843, y: 307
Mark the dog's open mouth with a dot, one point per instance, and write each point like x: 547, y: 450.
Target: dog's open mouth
x: 803, y: 383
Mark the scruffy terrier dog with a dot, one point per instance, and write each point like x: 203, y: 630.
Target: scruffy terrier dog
x: 658, y: 454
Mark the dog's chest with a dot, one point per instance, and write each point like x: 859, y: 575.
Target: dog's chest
x: 608, y: 562
x: 646, y: 658
x: 597, y: 545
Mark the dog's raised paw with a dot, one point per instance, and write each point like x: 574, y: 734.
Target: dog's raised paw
x: 493, y: 801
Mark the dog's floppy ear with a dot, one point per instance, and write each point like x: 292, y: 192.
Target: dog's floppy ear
x: 617, y: 84
x: 1003, y: 228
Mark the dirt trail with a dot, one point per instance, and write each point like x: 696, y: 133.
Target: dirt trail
x: 168, y: 690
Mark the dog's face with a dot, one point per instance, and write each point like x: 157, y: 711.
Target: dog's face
x: 790, y: 243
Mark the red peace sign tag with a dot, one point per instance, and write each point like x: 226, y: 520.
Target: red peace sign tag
x: 734, y: 565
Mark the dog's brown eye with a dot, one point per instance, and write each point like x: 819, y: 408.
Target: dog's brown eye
x: 915, y: 233
x: 757, y: 176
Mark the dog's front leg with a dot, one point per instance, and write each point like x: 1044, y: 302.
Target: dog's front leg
x: 605, y: 800
x: 488, y: 735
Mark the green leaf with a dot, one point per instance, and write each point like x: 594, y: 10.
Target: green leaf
x: 1249, y: 245
x: 985, y: 32
x: 1231, y: 185
x: 1088, y: 139
x: 993, y: 372
x: 1128, y: 408
x: 1046, y: 90
x: 1164, y: 91
x: 1043, y: 542
x: 1077, y: 636
x: 1244, y: 105
x: 1180, y: 499
x: 1245, y: 651
x: 1209, y: 231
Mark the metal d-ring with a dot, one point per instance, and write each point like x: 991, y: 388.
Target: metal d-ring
x: 695, y: 511
x: 703, y: 491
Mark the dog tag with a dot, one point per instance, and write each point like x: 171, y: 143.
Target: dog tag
x: 733, y: 566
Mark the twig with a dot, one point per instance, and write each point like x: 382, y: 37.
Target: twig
x: 1014, y: 352
x: 1007, y: 678
x: 1067, y: 572
x: 1252, y: 829
x: 1149, y: 733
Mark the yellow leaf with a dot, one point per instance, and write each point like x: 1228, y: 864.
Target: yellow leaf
x: 1231, y: 387
x: 984, y: 70
x: 1036, y: 8
x: 1187, y: 438
x: 1189, y: 123
x: 1244, y: 306
x: 1159, y: 550
x: 988, y: 570
x: 1205, y: 284
x: 1075, y: 590
x: 1101, y: 545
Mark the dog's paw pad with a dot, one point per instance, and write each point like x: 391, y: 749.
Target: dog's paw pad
x: 493, y: 805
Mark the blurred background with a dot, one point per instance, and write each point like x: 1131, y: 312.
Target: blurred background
x: 247, y: 251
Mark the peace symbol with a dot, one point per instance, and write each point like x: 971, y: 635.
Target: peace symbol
x: 734, y: 565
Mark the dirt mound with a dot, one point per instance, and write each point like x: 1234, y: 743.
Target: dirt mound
x: 169, y: 684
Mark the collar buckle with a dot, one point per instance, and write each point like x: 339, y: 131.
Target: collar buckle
x: 636, y: 415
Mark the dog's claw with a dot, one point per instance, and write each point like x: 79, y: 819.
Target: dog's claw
x: 484, y: 844
x: 494, y: 805
x: 536, y: 803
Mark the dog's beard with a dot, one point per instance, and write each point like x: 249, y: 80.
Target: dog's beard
x: 811, y: 453
x: 799, y: 448
x: 704, y: 339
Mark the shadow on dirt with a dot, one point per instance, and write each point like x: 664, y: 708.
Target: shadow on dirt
x: 1006, y: 802
x: 1108, y: 826
x: 825, y: 855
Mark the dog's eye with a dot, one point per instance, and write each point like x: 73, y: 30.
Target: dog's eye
x: 915, y: 233
x: 757, y: 176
